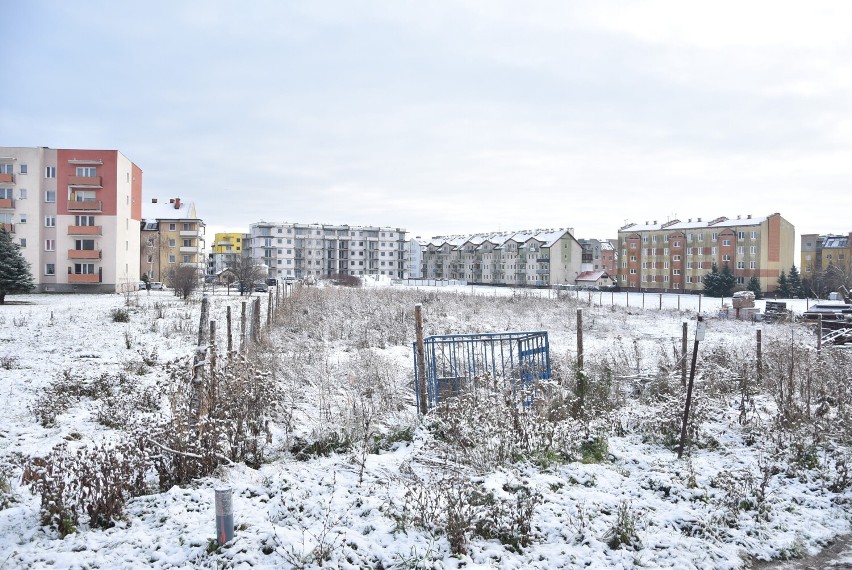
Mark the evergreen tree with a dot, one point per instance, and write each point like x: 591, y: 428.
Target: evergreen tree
x: 794, y: 281
x: 727, y: 281
x: 15, y: 276
x: 754, y: 287
x: 783, y: 288
x: 711, y: 282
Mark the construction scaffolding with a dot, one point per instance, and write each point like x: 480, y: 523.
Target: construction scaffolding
x: 463, y: 363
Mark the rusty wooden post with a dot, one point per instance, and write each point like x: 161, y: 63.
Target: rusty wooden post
x: 212, y: 350
x: 255, y: 320
x: 661, y: 301
x: 269, y: 311
x: 699, y: 336
x: 579, y: 339
x: 421, y: 359
x: 683, y: 348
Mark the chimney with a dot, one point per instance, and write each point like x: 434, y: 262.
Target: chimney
x: 748, y: 217
x: 690, y: 220
x: 738, y: 216
x: 177, y: 203
x: 153, y: 200
x: 699, y: 219
x: 655, y: 222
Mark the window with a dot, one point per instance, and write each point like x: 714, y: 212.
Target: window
x: 187, y: 243
x: 700, y: 237
x: 689, y: 251
x: 50, y: 172
x: 50, y: 269
x: 726, y: 257
x: 753, y: 235
x: 172, y: 258
x: 23, y: 242
x: 665, y: 265
x: 22, y: 194
x: 87, y: 171
x: 726, y: 242
x: 740, y: 235
x: 740, y: 250
x: 676, y: 244
x: 676, y: 258
x: 50, y: 245
x: 644, y: 239
x: 633, y: 245
x: 24, y: 169
x: 654, y: 239
x: 22, y: 218
x: 172, y: 227
x: 741, y: 265
x: 713, y: 250
x: 6, y: 168
x: 150, y: 258
x: 50, y: 196
x: 740, y: 280
x: 665, y: 251
x: 715, y: 236
x: 753, y: 249
x: 84, y: 244
x: 84, y: 268
x: 6, y: 194
x: 665, y: 278
x: 50, y: 222
x: 676, y: 271
x: 172, y: 242
x: 187, y: 227
x: 752, y: 265
x: 187, y: 259
x: 90, y: 221
x: 632, y: 272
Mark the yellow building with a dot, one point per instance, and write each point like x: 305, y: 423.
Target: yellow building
x: 172, y: 236
x: 226, y: 248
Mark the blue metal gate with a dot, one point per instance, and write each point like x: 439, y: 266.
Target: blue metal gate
x: 459, y: 363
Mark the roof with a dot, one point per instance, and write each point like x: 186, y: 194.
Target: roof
x: 591, y: 275
x: 165, y: 210
x: 832, y: 242
x: 698, y: 224
x: 547, y: 237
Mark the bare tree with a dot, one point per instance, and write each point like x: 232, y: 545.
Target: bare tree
x: 184, y: 279
x: 247, y: 271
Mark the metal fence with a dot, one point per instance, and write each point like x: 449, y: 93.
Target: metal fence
x: 463, y: 363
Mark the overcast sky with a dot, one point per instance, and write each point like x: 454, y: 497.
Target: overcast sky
x: 449, y: 117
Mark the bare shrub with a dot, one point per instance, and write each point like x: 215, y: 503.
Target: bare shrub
x: 95, y: 481
x: 66, y: 391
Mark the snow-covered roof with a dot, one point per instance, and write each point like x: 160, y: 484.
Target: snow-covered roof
x: 696, y: 224
x: 591, y: 275
x: 547, y: 237
x: 171, y: 209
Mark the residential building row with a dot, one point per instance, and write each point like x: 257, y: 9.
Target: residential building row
x: 821, y: 251
x: 172, y: 237
x: 300, y: 251
x: 525, y: 258
x: 676, y: 255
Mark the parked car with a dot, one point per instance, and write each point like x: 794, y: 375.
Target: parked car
x: 829, y: 311
x: 154, y: 286
x: 261, y: 287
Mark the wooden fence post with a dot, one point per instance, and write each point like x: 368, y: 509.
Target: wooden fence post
x: 699, y: 336
x: 421, y: 358
x: 230, y: 336
x: 579, y: 339
x: 683, y: 349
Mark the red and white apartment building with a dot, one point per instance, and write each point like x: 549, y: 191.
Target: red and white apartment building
x: 676, y: 255
x: 76, y: 215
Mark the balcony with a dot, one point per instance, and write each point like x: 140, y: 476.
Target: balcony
x: 7, y: 204
x: 84, y: 254
x: 189, y: 233
x: 190, y: 249
x: 10, y: 228
x: 84, y: 278
x: 87, y: 206
x: 85, y: 181
x: 84, y: 230
x: 7, y: 177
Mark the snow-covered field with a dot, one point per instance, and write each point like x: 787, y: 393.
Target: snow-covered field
x: 350, y: 477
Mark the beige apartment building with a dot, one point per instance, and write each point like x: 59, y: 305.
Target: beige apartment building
x: 675, y: 255
x: 75, y: 213
x: 172, y: 236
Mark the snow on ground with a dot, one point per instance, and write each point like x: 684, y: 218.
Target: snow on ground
x: 297, y: 513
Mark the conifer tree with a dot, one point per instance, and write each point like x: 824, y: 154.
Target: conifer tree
x: 15, y: 276
x: 754, y: 287
x: 711, y: 282
x: 727, y: 281
x: 783, y: 288
x: 794, y: 282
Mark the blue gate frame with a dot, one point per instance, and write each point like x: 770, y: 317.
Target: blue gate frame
x: 513, y: 360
